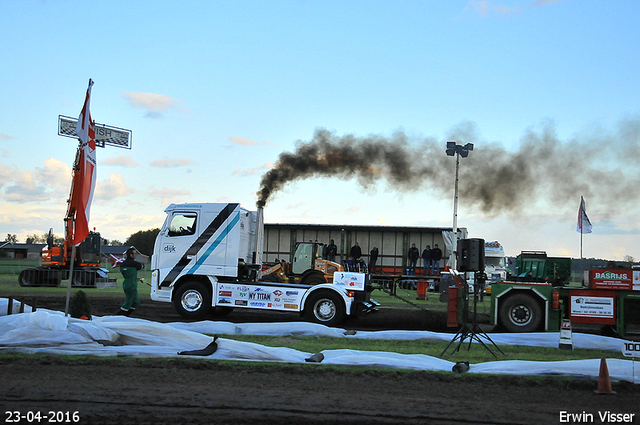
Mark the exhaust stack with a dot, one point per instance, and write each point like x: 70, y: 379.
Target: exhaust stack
x: 259, y: 241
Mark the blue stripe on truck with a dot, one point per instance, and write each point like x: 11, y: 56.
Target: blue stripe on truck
x: 211, y: 229
x: 205, y: 255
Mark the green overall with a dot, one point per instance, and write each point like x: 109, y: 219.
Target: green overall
x: 130, y: 286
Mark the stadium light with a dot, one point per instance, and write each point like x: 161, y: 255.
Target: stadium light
x: 454, y: 149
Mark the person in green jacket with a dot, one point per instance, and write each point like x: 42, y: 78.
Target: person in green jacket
x: 129, y: 269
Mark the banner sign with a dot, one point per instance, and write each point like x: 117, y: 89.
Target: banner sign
x: 614, y: 279
x: 105, y: 134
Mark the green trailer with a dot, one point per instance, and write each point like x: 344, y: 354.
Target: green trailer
x: 526, y: 306
x: 537, y: 298
x: 535, y: 266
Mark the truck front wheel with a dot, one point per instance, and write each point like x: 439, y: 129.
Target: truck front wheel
x: 520, y: 313
x: 192, y: 300
x: 325, y: 308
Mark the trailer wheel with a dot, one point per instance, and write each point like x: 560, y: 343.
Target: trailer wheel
x: 520, y: 313
x: 326, y: 308
x: 192, y: 300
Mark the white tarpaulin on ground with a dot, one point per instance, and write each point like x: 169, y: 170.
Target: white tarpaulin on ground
x: 51, y: 332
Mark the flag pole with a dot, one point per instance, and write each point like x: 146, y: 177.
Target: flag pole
x: 73, y: 257
x: 581, y: 232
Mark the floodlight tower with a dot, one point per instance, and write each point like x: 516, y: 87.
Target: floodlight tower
x: 453, y: 149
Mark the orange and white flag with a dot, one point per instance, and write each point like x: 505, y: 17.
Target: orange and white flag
x: 84, y: 179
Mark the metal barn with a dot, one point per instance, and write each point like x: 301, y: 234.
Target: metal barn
x: 393, y: 242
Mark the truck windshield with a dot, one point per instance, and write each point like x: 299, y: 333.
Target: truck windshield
x: 494, y: 261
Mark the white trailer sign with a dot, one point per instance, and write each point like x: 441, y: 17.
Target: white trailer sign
x: 586, y: 306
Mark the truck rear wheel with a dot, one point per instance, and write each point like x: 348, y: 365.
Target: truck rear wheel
x: 192, y: 300
x: 326, y: 308
x: 520, y: 313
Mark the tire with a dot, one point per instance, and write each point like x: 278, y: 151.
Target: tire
x: 326, y: 308
x: 271, y: 278
x: 520, y: 313
x: 29, y: 277
x: 192, y: 300
x: 313, y: 279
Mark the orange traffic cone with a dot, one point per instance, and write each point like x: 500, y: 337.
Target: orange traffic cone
x: 604, y: 383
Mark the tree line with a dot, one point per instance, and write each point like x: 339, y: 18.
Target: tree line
x: 143, y: 240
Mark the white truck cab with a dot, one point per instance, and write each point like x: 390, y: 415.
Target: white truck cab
x: 495, y: 266
x: 207, y: 259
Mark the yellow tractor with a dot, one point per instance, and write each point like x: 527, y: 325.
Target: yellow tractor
x: 308, y: 266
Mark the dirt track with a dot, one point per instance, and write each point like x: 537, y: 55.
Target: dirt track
x: 186, y: 391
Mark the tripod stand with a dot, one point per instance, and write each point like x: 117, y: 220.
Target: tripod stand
x: 472, y: 330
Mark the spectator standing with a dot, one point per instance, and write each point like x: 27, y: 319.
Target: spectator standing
x: 426, y: 259
x: 413, y: 256
x: 332, y: 250
x: 373, y: 259
x: 356, y: 252
x: 436, y: 256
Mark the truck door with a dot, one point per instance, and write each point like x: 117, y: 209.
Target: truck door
x: 177, y: 235
x: 302, y: 258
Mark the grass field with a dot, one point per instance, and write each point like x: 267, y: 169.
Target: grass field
x: 476, y: 354
x: 10, y: 270
x: 9, y: 286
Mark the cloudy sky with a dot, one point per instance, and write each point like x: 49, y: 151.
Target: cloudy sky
x: 216, y: 91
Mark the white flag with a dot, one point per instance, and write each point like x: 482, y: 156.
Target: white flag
x: 584, y: 225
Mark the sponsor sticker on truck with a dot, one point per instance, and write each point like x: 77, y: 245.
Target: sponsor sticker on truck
x: 259, y: 296
x: 351, y: 280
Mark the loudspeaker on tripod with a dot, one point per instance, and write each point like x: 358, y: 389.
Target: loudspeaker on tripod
x: 470, y: 255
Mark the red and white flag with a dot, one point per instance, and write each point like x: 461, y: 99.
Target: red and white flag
x: 84, y: 179
x: 584, y: 225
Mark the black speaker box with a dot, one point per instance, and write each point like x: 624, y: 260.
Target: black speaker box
x: 470, y: 255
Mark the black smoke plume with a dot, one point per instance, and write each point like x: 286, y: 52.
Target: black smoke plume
x: 602, y: 167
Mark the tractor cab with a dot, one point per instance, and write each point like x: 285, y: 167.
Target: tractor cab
x: 305, y: 255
